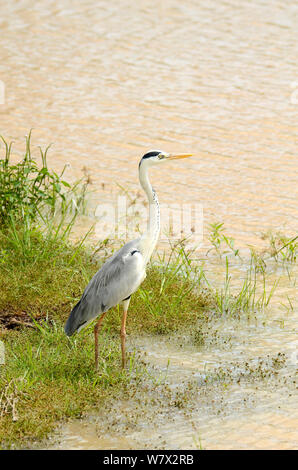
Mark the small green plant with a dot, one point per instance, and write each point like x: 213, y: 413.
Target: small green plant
x: 221, y: 243
x: 252, y: 295
x: 36, y: 202
x: 281, y: 247
x: 26, y: 189
x: 198, y: 443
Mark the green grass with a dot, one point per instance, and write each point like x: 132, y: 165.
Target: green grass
x: 282, y: 247
x: 47, y: 281
x: 253, y: 293
x: 48, y: 377
x: 29, y: 190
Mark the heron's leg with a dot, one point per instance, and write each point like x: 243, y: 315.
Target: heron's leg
x: 96, y: 330
x: 123, y: 331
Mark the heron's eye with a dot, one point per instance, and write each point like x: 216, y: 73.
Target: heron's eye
x: 160, y: 156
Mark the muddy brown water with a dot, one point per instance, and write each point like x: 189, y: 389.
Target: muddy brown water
x: 105, y: 82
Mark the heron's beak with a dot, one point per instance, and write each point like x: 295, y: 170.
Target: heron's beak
x: 176, y: 157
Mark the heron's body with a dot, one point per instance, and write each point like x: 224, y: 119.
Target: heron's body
x: 118, y: 278
x: 121, y: 275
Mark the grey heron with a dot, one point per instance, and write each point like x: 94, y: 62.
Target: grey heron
x: 121, y: 275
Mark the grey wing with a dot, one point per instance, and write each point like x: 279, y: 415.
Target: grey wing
x: 116, y: 280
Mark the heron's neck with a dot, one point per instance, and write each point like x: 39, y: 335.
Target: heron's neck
x: 150, y: 237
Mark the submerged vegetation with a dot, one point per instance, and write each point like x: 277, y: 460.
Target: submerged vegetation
x: 281, y: 247
x: 48, y: 377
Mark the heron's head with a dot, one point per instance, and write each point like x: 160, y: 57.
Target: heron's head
x: 155, y: 157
